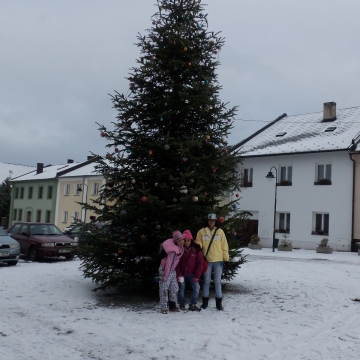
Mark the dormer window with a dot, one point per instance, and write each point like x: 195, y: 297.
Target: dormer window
x: 280, y: 134
x: 330, y: 129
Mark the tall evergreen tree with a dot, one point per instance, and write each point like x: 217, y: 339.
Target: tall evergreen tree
x: 5, y: 193
x: 168, y: 164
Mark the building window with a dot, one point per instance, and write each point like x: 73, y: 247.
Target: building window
x: 20, y: 215
x: 285, y: 176
x: 40, y: 193
x: 77, y: 188
x: 67, y: 189
x: 323, y: 174
x: 21, y: 193
x: 48, y: 216
x: 28, y: 216
x: 321, y: 223
x: 38, y: 216
x: 50, y: 191
x: 283, y: 222
x: 30, y: 194
x: 65, y: 217
x: 95, y: 189
x: 14, y: 214
x: 247, y: 177
x: 16, y: 193
x: 75, y: 215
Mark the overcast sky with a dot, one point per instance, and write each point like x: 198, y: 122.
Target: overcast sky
x: 59, y: 60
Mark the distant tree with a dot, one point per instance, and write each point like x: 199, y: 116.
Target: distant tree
x: 5, y: 192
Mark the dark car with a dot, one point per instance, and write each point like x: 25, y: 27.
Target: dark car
x: 9, y: 249
x: 38, y: 240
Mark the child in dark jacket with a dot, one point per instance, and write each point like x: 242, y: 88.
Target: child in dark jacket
x: 189, y: 268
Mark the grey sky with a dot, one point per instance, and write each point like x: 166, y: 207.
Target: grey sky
x: 59, y: 60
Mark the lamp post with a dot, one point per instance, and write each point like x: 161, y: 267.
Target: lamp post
x: 271, y: 176
x: 79, y: 189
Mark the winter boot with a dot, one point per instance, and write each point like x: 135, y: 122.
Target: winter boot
x: 219, y: 303
x: 205, y: 302
x: 182, y: 306
x: 173, y: 307
x: 193, y: 307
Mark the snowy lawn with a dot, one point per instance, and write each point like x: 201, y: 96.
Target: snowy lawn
x: 282, y: 305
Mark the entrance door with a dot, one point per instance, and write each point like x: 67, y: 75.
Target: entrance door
x: 250, y: 229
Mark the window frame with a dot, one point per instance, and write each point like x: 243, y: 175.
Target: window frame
x: 324, y: 227
x: 16, y: 193
x: 30, y: 192
x: 95, y: 188
x: 40, y: 192
x: 22, y: 190
x: 20, y: 215
x: 50, y: 192
x: 326, y: 179
x: 67, y: 189
x: 38, y: 215
x: 76, y: 192
x: 48, y: 216
x: 247, y: 177
x: 287, y: 221
x: 65, y: 216
x: 285, y: 180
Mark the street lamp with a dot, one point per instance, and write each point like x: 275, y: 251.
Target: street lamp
x: 271, y: 176
x: 79, y: 189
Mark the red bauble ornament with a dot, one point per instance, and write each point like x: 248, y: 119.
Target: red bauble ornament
x: 119, y: 251
x: 189, y: 63
x: 237, y: 195
x: 221, y: 219
x: 154, y: 22
x: 214, y: 169
x: 116, y: 150
x: 102, y: 134
x: 144, y: 199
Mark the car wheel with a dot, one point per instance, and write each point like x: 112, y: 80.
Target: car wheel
x: 12, y: 263
x: 70, y: 257
x: 33, y: 253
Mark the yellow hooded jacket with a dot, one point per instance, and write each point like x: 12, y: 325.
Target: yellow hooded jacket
x: 219, y: 250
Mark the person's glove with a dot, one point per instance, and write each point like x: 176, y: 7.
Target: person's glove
x: 196, y: 280
x: 226, y: 265
x: 180, y: 279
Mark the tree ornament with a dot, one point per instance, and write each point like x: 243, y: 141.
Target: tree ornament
x: 116, y: 150
x: 154, y: 22
x: 191, y: 181
x: 102, y: 134
x: 211, y: 42
x: 128, y: 151
x: 237, y: 195
x: 132, y: 86
x: 214, y: 169
x: 184, y: 159
x: 144, y: 199
x: 221, y: 219
x: 195, y: 199
x: 108, y: 156
x: 233, y: 206
x: 158, y: 227
x: 189, y: 63
x: 215, y: 52
x: 119, y: 251
x: 205, y: 193
x: 150, y: 152
x: 225, y: 150
x: 167, y: 147
x: 133, y: 181
x: 207, y: 82
x: 143, y: 69
x: 199, y: 26
x: 207, y: 137
x: 165, y: 104
x: 229, y: 120
x: 183, y: 190
x: 185, y: 49
x: 161, y: 119
x: 156, y: 184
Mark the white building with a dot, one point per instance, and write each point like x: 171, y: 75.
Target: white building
x: 311, y: 155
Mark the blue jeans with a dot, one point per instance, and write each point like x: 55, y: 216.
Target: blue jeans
x: 195, y: 290
x: 218, y: 268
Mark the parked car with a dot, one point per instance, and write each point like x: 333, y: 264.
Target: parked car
x: 69, y: 227
x: 74, y: 232
x: 38, y: 240
x: 9, y: 249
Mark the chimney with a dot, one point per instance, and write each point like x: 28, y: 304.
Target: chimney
x: 70, y: 161
x: 39, y: 168
x: 329, y: 111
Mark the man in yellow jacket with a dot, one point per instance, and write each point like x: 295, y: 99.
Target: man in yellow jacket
x: 216, y: 256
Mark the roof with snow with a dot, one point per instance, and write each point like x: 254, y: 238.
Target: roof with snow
x: 304, y: 133
x: 13, y: 170
x: 87, y: 170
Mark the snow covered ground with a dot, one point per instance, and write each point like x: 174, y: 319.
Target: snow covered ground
x: 282, y: 305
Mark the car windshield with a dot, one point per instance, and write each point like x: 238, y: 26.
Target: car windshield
x: 44, y: 229
x: 2, y: 232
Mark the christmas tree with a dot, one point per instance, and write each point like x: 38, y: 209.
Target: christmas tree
x: 169, y: 163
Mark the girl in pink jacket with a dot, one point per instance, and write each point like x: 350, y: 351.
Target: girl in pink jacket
x: 168, y: 286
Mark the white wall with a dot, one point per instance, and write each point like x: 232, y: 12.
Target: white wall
x: 302, y: 198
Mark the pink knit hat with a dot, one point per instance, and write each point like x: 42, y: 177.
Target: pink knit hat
x: 177, y: 236
x: 187, y: 234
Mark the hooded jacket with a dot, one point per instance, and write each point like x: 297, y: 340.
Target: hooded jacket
x: 191, y: 263
x: 174, y: 254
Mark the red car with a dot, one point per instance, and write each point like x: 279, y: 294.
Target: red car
x: 38, y: 240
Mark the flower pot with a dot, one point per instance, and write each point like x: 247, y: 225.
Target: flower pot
x: 284, y: 248
x: 324, y: 250
x: 255, y: 246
